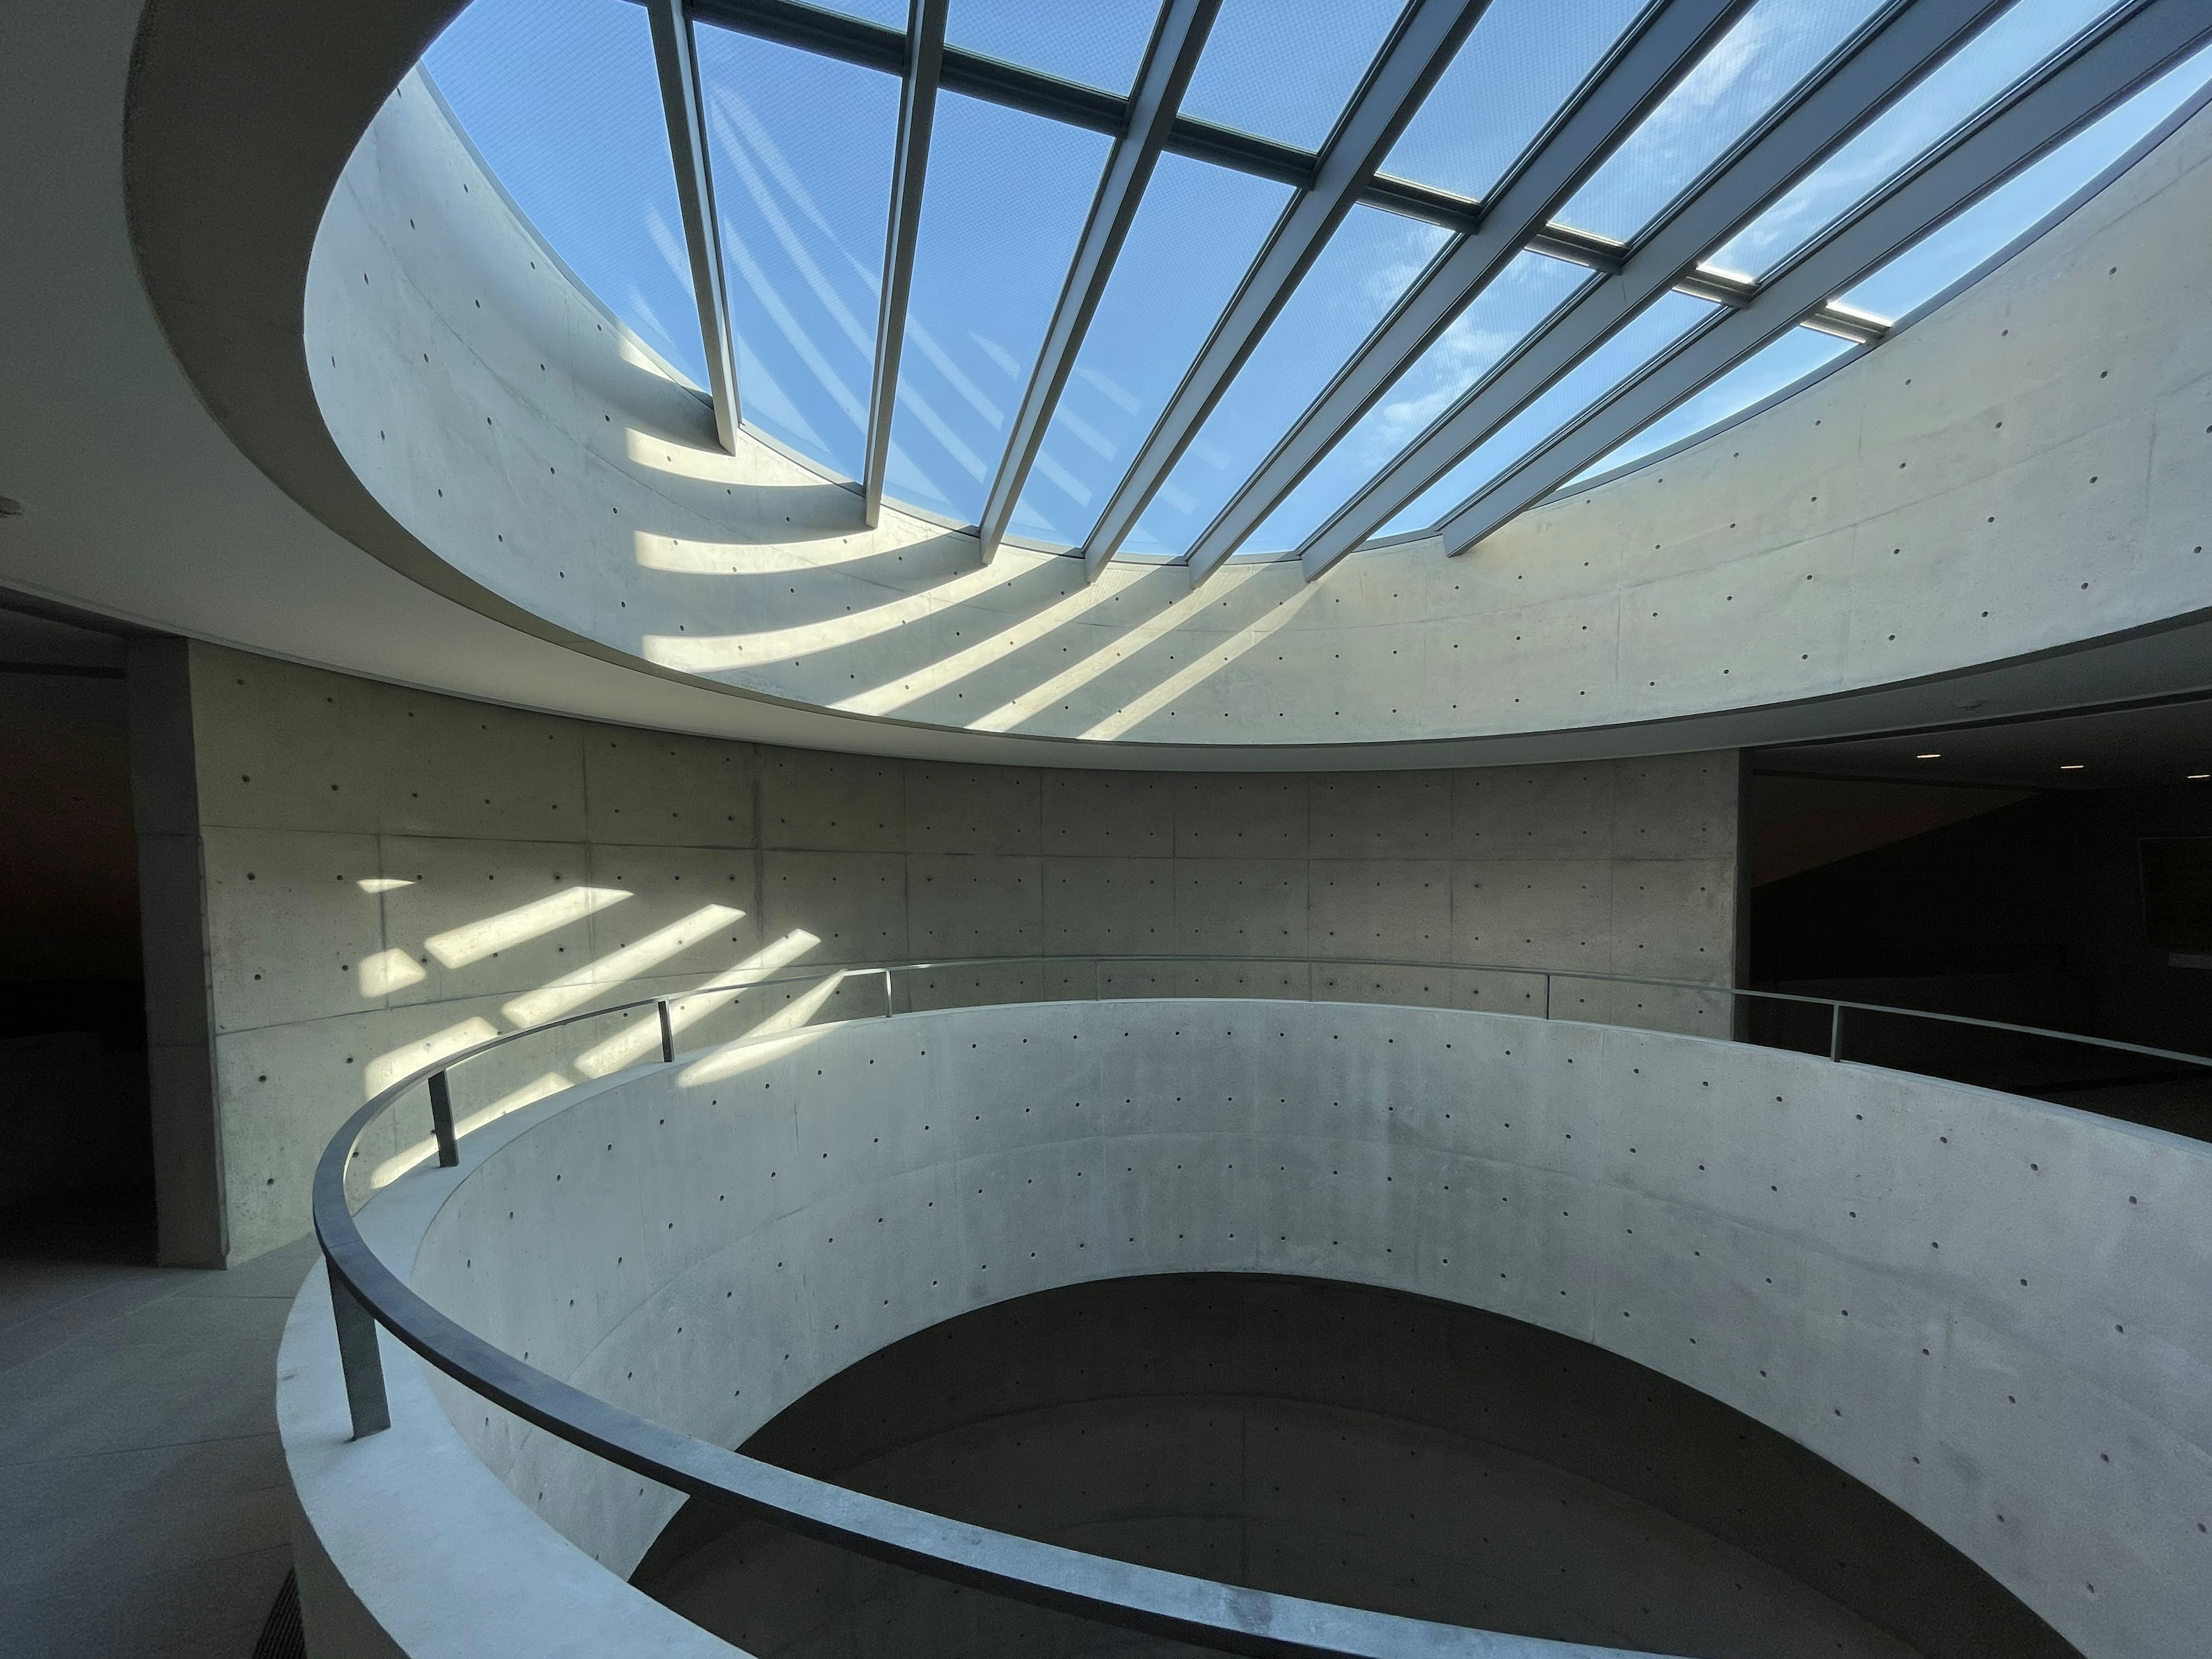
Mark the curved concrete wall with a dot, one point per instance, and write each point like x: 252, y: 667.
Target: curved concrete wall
x: 1988, y: 1309
x: 2023, y: 470
x: 389, y: 875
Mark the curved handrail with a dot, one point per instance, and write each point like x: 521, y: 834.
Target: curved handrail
x: 365, y: 1293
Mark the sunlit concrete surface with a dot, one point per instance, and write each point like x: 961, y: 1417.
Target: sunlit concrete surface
x: 1986, y: 1309
x: 390, y: 877
x: 2022, y: 470
x: 140, y: 1474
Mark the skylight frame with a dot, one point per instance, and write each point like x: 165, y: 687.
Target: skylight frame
x: 2129, y: 48
x: 1704, y: 354
x: 1419, y: 49
x: 924, y: 54
x: 1179, y: 35
x: 1876, y: 65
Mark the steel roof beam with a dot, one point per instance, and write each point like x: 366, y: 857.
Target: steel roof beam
x: 1861, y: 80
x: 917, y: 113
x: 1178, y: 36
x: 677, y: 68
x: 1420, y: 48
x: 2139, y: 42
x: 1668, y: 43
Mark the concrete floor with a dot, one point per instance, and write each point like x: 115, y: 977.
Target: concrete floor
x: 143, y: 1505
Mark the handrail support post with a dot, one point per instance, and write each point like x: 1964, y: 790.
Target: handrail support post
x: 1548, y: 996
x: 359, y: 1358
x: 1836, y: 1031
x: 667, y: 1033
x: 889, y: 1007
x: 441, y: 1120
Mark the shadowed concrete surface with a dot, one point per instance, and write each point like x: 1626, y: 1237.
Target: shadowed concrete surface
x: 1338, y: 1441
x: 140, y: 1472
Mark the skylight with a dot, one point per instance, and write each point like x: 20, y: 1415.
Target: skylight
x: 1382, y: 399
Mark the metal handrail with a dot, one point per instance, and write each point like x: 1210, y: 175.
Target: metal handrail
x: 365, y: 1293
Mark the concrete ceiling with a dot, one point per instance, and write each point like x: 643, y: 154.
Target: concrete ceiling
x: 147, y: 491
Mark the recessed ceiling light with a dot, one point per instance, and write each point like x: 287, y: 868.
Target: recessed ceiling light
x: 2199, y: 777
x: 1927, y: 757
x: 2071, y: 766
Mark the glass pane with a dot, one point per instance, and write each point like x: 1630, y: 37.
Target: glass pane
x: 1800, y: 352
x: 560, y: 97
x: 1965, y: 83
x: 1099, y: 44
x: 891, y: 14
x: 1522, y: 298
x: 803, y: 202
x: 1943, y: 256
x: 1005, y: 202
x: 1743, y: 74
x: 1525, y: 59
x: 1285, y: 69
x: 1192, y: 242
x: 1371, y: 261
x: 1660, y: 324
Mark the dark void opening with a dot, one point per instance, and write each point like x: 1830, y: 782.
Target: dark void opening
x: 1337, y: 1442
x: 76, y: 1175
x: 2083, y: 909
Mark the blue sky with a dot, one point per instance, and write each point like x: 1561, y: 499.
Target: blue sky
x: 560, y: 96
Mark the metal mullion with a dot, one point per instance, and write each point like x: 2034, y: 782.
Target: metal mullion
x: 1420, y: 47
x: 871, y: 45
x: 1640, y: 73
x: 2137, y: 44
x: 917, y: 113
x: 1179, y: 35
x: 1860, y: 82
x: 675, y: 65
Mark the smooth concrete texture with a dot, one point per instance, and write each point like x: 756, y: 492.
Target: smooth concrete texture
x: 1336, y: 1441
x: 390, y: 875
x: 143, y: 1502
x: 1986, y: 1309
x: 191, y: 1206
x: 2023, y: 470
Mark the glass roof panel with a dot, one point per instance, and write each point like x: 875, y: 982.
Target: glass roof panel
x: 1646, y: 336
x: 1949, y: 252
x: 1285, y: 69
x: 992, y: 252
x: 1191, y: 243
x: 891, y: 14
x: 1777, y: 365
x: 1371, y: 261
x: 2024, y: 37
x: 1764, y: 57
x: 561, y: 100
x: 1097, y: 43
x: 803, y: 202
x: 1519, y: 300
x: 1525, y: 59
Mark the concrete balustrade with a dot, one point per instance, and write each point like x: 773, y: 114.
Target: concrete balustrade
x: 1989, y: 1309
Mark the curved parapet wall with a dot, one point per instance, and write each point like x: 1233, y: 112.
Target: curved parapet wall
x: 2024, y: 472
x: 1987, y: 1309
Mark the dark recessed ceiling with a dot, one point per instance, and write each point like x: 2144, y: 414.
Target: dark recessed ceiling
x: 2120, y: 748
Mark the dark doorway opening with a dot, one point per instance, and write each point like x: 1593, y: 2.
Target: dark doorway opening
x: 76, y: 1174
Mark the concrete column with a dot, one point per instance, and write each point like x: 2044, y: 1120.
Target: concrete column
x: 188, y: 1176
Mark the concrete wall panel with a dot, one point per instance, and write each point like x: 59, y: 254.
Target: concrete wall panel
x: 384, y: 894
